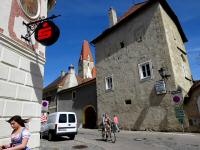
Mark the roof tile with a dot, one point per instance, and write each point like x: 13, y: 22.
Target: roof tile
x: 85, y: 52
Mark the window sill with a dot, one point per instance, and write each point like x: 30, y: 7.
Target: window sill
x: 146, y: 79
x: 109, y: 90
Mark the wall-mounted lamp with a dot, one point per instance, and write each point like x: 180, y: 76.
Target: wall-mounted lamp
x: 163, y: 73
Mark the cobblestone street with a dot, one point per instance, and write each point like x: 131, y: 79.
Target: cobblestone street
x: 126, y: 140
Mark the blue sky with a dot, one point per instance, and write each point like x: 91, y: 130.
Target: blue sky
x: 87, y: 19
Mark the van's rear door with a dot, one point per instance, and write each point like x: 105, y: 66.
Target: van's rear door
x: 62, y: 123
x: 72, y: 123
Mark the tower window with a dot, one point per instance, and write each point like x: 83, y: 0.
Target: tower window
x: 145, y: 70
x: 109, y: 83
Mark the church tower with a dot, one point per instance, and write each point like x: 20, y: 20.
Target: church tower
x: 86, y: 68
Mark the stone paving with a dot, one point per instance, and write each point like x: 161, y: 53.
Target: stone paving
x: 126, y: 140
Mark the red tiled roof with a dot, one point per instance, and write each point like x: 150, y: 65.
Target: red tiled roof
x: 79, y: 79
x: 61, y: 80
x: 94, y: 72
x: 137, y: 8
x: 85, y: 52
x: 84, y: 83
x: 132, y: 10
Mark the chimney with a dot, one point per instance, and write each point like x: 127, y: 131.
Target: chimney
x: 62, y: 73
x: 112, y: 16
x: 71, y: 69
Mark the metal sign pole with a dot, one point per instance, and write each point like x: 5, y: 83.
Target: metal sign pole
x: 182, y: 125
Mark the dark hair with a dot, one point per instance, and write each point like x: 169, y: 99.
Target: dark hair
x: 18, y: 119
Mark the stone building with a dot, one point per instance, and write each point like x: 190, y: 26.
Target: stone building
x: 192, y: 107
x: 64, y: 81
x: 81, y: 99
x: 77, y: 93
x: 22, y: 66
x: 147, y: 38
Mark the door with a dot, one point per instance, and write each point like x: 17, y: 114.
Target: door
x: 90, y: 118
x: 72, y: 123
x: 62, y: 123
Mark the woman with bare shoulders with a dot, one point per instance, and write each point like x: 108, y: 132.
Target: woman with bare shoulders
x: 19, y: 136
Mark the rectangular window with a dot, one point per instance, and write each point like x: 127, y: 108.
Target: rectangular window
x: 63, y: 118
x: 74, y: 95
x: 145, y: 70
x: 128, y: 101
x: 71, y: 118
x: 109, y: 83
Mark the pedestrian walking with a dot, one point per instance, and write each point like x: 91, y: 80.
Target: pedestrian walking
x: 116, y: 121
x: 103, y: 121
x: 19, y: 136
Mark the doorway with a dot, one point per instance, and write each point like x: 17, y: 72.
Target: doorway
x: 89, y: 117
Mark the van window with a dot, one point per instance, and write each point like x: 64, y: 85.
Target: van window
x: 51, y: 119
x: 71, y: 118
x: 63, y: 118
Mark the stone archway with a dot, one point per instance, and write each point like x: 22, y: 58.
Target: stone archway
x: 89, y: 117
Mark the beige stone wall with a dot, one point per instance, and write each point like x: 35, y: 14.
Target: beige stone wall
x: 183, y: 76
x: 147, y: 109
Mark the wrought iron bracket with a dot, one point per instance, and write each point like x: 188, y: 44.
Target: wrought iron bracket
x: 31, y: 27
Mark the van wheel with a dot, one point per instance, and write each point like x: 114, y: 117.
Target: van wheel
x: 50, y: 136
x: 71, y: 137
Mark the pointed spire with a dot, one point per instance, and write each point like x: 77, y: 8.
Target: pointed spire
x: 86, y: 52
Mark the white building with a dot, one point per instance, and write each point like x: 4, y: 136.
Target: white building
x: 21, y: 66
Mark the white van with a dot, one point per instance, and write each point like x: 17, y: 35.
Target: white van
x: 60, y: 124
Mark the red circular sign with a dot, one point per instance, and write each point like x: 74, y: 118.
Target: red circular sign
x: 47, y: 33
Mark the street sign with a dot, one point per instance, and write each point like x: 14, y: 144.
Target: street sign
x: 47, y: 33
x: 160, y: 87
x: 177, y: 97
x: 45, y: 105
x: 180, y: 115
